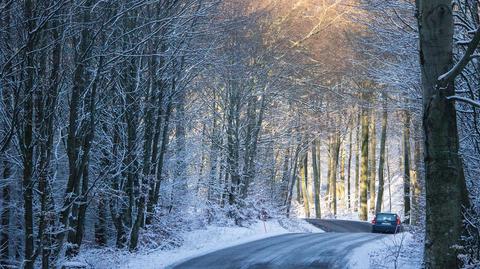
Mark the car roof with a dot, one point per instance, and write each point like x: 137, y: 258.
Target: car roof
x: 385, y: 213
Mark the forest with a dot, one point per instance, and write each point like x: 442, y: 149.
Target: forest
x: 124, y: 123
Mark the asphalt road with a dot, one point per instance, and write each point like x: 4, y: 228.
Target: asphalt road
x: 295, y: 251
x: 342, y: 226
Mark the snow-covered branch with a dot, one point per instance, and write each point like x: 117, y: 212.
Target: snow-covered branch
x: 464, y: 100
x: 458, y: 68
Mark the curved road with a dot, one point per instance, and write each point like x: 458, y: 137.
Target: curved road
x: 341, y: 226
x: 295, y: 251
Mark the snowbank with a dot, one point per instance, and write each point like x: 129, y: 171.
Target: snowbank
x: 393, y: 251
x: 196, y: 243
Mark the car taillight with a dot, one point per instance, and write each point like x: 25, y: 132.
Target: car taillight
x: 398, y: 221
x: 374, y: 221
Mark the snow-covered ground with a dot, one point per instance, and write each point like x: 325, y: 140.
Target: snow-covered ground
x: 394, y: 251
x: 196, y: 242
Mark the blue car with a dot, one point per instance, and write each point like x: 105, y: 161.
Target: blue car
x: 386, y: 223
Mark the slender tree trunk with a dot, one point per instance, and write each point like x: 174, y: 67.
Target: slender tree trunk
x: 417, y: 181
x: 46, y: 107
x: 446, y: 193
x: 329, y: 171
x: 293, y: 181
x: 304, y: 176
x: 381, y: 165
x: 233, y: 142
x: 341, y: 188
x: 75, y: 238
x: 316, y: 181
x: 319, y: 161
x: 7, y: 100
x: 349, y: 168
x: 158, y: 89
x: 101, y: 225
x: 254, y: 128
x: 372, y: 158
x: 154, y: 190
x: 76, y: 154
x: 131, y: 121
x: 137, y: 224
x: 116, y: 204
x: 215, y: 143
x: 333, y: 175
x: 406, y: 167
x: 364, y: 167
x: 300, y: 187
x: 147, y: 175
x: 285, y: 174
x: 180, y: 154
x: 389, y: 180
x: 299, y: 176
x: 203, y: 162
x: 5, y: 214
x: 357, y: 165
x: 27, y: 143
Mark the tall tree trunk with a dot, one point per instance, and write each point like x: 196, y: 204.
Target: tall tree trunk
x: 5, y: 178
x: 180, y: 170
x: 372, y: 158
x: 254, y: 125
x: 333, y: 175
x: 201, y: 184
x: 389, y: 180
x: 293, y: 177
x: 316, y: 180
x: 233, y: 120
x: 364, y: 167
x: 357, y: 164
x: 319, y: 161
x: 349, y: 167
x: 341, y: 183
x: 26, y: 141
x: 329, y: 169
x: 381, y: 164
x: 215, y: 143
x: 417, y: 181
x: 75, y: 238
x: 137, y: 224
x: 147, y: 173
x: 5, y: 213
x: 46, y: 108
x: 156, y: 163
x: 304, y: 177
x: 406, y: 166
x: 444, y: 178
x: 131, y: 162
x: 299, y: 186
x: 285, y: 174
x: 101, y: 224
x: 77, y: 155
x: 154, y: 190
x: 116, y: 204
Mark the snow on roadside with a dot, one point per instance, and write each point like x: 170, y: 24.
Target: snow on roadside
x: 393, y: 251
x: 196, y: 242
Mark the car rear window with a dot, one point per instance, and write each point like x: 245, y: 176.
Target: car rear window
x: 386, y: 217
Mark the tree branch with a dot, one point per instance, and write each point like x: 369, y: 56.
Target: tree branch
x: 458, y: 68
x: 464, y: 100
